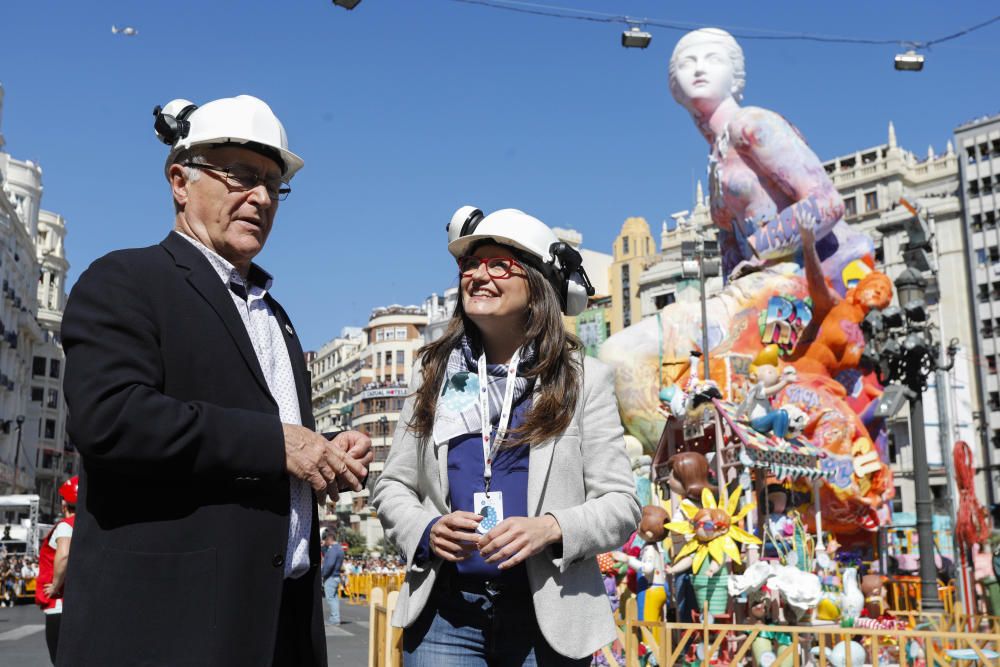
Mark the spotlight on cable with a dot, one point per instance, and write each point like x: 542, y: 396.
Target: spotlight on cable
x: 347, y: 4
x: 911, y: 61
x: 636, y: 38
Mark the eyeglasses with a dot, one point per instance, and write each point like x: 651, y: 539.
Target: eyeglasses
x: 241, y: 178
x: 499, y: 268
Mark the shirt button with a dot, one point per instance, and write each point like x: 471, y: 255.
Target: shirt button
x: 277, y: 560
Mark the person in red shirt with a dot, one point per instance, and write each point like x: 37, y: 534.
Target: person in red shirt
x: 52, y: 558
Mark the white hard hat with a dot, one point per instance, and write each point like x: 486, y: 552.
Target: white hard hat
x: 560, y: 262
x: 231, y: 120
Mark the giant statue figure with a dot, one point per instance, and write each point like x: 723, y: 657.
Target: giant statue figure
x: 769, y: 196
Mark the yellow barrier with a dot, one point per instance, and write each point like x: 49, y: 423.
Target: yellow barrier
x: 359, y: 587
x: 730, y: 644
x: 385, y: 643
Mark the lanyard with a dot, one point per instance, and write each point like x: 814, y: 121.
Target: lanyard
x: 490, y: 449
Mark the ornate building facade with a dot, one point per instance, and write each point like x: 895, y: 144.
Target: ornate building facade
x: 34, y: 453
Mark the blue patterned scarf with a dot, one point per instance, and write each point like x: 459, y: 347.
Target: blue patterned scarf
x: 457, y: 409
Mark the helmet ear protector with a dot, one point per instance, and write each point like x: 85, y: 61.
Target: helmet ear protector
x: 171, y: 128
x: 572, y: 278
x: 464, y: 222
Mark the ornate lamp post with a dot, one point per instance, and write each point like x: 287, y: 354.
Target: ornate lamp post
x: 902, y: 349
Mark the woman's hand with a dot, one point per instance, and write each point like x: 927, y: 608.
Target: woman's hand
x: 518, y: 538
x: 454, y: 536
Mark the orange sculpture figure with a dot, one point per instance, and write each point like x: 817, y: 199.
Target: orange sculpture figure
x: 832, y: 342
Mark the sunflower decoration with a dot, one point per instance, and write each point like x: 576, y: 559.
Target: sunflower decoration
x: 713, y: 529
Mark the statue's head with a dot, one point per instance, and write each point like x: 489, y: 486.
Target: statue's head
x: 707, y: 64
x: 651, y: 526
x: 710, y: 523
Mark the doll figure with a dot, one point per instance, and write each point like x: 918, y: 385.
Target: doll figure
x: 780, y: 527
x: 767, y: 381
x: 873, y: 589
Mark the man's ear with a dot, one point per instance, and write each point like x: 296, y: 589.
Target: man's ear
x: 178, y: 183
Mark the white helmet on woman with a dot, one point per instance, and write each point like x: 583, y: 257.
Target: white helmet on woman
x: 559, y: 261
x: 242, y: 120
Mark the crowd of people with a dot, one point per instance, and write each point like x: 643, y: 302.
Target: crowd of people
x: 374, y: 565
x: 16, y: 572
x: 384, y: 385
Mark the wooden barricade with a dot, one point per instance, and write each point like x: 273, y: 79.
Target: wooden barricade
x: 385, y: 643
x: 731, y: 644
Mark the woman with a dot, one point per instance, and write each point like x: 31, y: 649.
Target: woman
x: 508, y: 473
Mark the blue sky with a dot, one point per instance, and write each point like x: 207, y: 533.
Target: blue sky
x: 405, y: 110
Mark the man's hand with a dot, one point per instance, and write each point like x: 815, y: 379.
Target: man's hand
x: 356, y: 445
x: 454, y: 536
x: 518, y: 538
x: 311, y: 457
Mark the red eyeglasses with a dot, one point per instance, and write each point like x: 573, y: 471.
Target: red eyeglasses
x: 499, y: 268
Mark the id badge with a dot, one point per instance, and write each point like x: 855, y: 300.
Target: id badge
x: 490, y: 507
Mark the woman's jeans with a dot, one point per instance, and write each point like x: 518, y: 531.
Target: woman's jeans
x: 484, y: 625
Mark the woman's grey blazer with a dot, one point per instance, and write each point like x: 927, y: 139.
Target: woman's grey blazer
x: 582, y: 477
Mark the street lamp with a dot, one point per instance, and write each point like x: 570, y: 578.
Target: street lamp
x: 384, y: 427
x: 700, y: 260
x: 902, y: 349
x: 17, y: 451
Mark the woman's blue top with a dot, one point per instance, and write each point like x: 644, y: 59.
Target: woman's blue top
x: 465, y: 478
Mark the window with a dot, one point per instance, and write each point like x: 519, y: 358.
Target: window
x: 401, y: 333
x: 36, y: 394
x: 624, y: 245
x: 390, y: 334
x: 871, y: 201
x: 378, y: 359
x: 50, y: 428
x: 54, y: 368
x: 994, y: 254
x: 897, y: 500
x: 980, y: 255
x: 971, y: 152
x: 984, y: 293
x: 987, y: 188
x: 664, y: 300
x: 400, y: 357
x: 626, y: 297
x: 991, y: 364
x: 53, y: 401
x: 379, y: 334
x: 879, y: 254
x: 977, y: 223
x: 38, y: 366
x: 973, y: 187
x: 994, y: 400
x: 850, y: 207
x: 607, y: 329
x: 647, y: 246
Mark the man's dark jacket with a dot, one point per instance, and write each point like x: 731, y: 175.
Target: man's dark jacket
x: 182, y: 525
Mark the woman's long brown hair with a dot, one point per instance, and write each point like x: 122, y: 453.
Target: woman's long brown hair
x: 556, y: 370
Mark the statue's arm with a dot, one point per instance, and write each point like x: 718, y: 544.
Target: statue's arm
x: 772, y: 147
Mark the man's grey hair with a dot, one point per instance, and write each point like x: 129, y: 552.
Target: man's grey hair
x: 190, y: 155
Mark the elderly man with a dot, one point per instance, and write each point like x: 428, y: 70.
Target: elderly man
x: 196, y: 540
